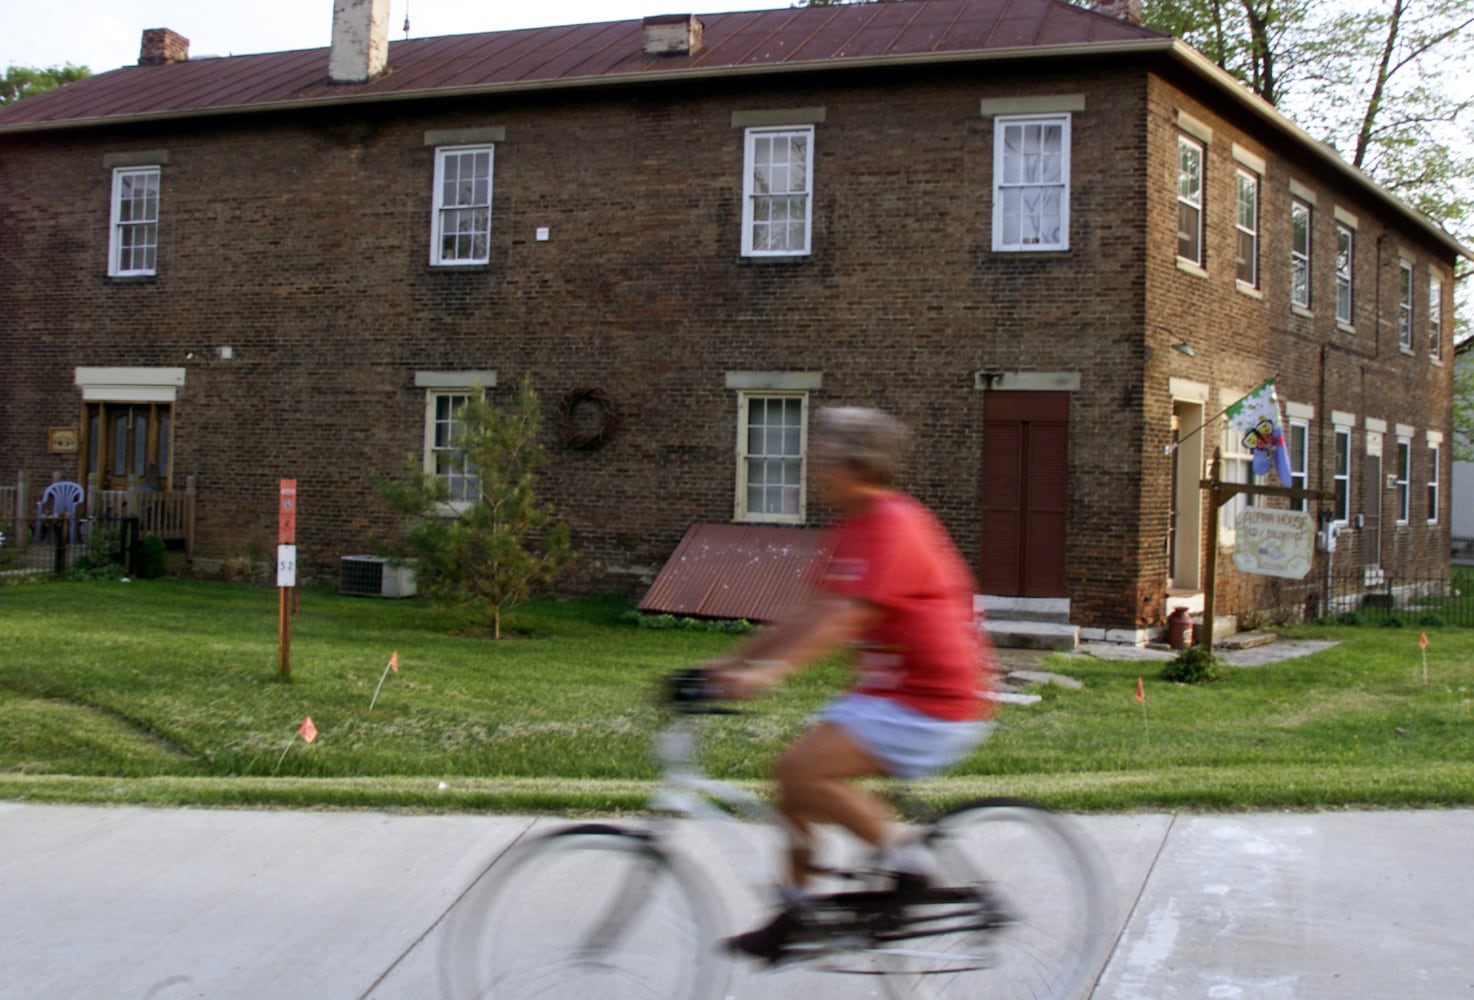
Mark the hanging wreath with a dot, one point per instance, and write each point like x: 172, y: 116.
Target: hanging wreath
x: 586, y: 417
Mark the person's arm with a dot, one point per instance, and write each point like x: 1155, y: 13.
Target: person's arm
x: 774, y: 654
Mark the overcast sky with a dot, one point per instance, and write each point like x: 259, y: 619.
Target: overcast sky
x: 104, y: 34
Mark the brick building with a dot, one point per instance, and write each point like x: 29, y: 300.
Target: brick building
x: 1048, y: 238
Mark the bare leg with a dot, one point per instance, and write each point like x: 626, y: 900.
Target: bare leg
x: 814, y: 778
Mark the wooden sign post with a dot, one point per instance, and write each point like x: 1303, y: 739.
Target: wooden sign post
x: 286, y: 572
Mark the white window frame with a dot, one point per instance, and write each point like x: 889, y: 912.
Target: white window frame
x: 1298, y: 441
x: 1246, y: 224
x: 1027, y: 174
x: 1190, y: 186
x: 1404, y: 305
x: 1237, y: 466
x: 1341, y: 474
x: 792, y: 491
x: 1435, y: 456
x: 758, y: 201
x: 1300, y: 271
x: 469, y: 211
x: 439, y: 430
x: 1404, y: 475
x: 1345, y: 271
x: 1435, y: 318
x: 133, y: 227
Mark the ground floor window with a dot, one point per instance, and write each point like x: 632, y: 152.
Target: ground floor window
x: 772, y: 440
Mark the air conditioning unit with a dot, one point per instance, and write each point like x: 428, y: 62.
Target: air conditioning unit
x: 373, y: 576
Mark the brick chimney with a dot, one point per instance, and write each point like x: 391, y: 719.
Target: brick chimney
x: 160, y: 45
x: 672, y: 35
x: 360, y: 40
x: 1125, y: 10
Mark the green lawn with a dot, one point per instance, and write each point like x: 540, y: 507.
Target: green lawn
x: 168, y: 692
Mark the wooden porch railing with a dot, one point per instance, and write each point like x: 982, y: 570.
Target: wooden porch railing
x: 170, y: 514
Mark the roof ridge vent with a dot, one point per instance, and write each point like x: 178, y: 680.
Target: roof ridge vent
x: 672, y: 35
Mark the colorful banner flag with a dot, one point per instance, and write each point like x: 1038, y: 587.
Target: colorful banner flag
x: 307, y: 730
x: 1256, y: 421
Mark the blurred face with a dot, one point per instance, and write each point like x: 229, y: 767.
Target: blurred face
x: 839, y: 482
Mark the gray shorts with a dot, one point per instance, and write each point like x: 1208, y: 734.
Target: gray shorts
x: 908, y: 743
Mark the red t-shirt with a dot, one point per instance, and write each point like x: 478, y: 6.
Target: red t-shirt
x: 928, y: 649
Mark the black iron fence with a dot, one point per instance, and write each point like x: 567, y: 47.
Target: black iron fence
x: 51, y: 545
x: 1375, y: 597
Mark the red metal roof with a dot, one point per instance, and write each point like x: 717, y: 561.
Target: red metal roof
x: 579, y: 55
x: 752, y: 571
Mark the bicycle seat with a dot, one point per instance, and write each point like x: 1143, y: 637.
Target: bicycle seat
x: 691, y: 691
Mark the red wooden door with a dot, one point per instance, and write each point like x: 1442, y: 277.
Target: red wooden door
x: 1025, y: 493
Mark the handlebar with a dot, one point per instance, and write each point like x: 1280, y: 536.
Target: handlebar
x: 691, y: 692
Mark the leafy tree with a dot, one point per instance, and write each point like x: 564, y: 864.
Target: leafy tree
x: 1464, y: 402
x: 504, y: 543
x: 27, y: 81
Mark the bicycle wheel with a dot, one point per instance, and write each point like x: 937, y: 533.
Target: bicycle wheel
x: 1034, y: 921
x: 587, y: 911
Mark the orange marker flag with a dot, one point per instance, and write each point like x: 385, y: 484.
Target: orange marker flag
x: 307, y: 730
x: 1140, y: 691
x: 1423, y: 640
x: 394, y: 661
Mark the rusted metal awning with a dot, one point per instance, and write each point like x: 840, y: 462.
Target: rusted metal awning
x: 752, y: 571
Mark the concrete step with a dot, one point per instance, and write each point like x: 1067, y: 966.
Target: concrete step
x: 1024, y: 609
x: 1033, y: 635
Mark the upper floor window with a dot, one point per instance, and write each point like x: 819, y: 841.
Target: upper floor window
x: 777, y: 191
x: 1246, y: 222
x: 1435, y: 319
x: 1341, y: 475
x: 1300, y: 253
x: 1345, y: 251
x: 1189, y: 200
x: 133, y: 241
x: 1031, y: 182
x: 1405, y: 305
x: 461, y: 225
x: 772, y: 442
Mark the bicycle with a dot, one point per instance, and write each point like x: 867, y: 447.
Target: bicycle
x: 606, y: 910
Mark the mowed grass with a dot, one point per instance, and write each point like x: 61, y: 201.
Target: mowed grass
x: 168, y: 692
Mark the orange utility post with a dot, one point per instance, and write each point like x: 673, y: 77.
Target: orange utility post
x: 286, y: 572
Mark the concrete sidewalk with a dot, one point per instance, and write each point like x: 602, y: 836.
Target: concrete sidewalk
x: 155, y: 903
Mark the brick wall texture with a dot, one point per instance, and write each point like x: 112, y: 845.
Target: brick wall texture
x: 302, y: 241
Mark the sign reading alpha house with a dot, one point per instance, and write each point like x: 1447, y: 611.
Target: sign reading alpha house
x: 1275, y: 542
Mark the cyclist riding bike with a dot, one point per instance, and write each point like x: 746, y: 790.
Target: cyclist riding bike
x: 899, y: 594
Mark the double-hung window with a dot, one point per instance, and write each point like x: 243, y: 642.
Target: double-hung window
x: 461, y: 224
x: 1299, y: 442
x: 1341, y: 475
x: 1435, y: 319
x: 777, y: 191
x: 133, y: 241
x: 1435, y: 453
x: 1246, y: 222
x: 1237, y: 467
x: 1403, y: 475
x: 1189, y: 200
x: 1405, y: 305
x: 1300, y: 253
x: 1345, y: 257
x: 772, y: 443
x: 1031, y: 182
x: 443, y: 460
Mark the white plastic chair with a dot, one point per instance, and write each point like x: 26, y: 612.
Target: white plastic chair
x: 65, y: 498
